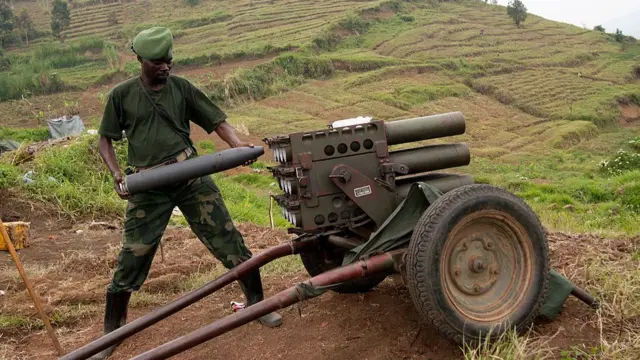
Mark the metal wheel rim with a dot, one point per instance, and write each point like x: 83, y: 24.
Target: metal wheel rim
x: 486, y: 266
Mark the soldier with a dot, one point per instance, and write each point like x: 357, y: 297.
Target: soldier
x: 154, y: 110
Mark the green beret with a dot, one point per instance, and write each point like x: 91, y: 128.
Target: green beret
x: 154, y: 43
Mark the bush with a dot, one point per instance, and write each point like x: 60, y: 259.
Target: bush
x: 309, y: 67
x: 635, y: 143
x: 622, y: 161
x: 9, y: 176
x: 355, y: 24
x: 206, y: 147
x: 630, y: 198
x: 406, y: 18
x: 259, y: 82
x: 14, y: 85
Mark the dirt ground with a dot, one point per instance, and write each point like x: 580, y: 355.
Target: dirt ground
x: 70, y: 265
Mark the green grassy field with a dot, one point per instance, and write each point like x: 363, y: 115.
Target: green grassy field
x: 552, y: 110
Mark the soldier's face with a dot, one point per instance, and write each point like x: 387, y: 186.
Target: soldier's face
x: 157, y: 70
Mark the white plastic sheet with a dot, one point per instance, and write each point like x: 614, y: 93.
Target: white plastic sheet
x: 65, y: 126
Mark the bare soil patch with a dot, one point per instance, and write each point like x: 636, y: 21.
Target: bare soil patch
x: 630, y: 115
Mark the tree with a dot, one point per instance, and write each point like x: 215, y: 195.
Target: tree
x: 517, y: 11
x: 598, y: 28
x: 25, y: 25
x: 494, y: 2
x: 619, y: 36
x: 6, y: 20
x: 60, y: 18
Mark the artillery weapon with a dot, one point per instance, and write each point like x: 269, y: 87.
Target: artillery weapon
x: 474, y: 256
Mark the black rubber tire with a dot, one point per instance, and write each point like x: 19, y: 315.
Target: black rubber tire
x: 323, y: 258
x: 424, y: 263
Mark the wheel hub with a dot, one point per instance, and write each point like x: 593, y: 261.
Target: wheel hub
x: 475, y: 265
x: 485, y: 267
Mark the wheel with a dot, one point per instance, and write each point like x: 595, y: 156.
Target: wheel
x: 477, y: 263
x: 324, y: 257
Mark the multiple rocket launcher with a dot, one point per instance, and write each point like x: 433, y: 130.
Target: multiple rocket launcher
x: 347, y: 176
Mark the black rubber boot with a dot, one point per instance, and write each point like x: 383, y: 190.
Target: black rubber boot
x: 115, y: 316
x: 251, y: 285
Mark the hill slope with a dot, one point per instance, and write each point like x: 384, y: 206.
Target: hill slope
x: 544, y: 103
x: 552, y: 114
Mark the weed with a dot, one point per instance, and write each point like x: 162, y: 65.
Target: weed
x: 14, y: 322
x: 206, y: 147
x: 509, y: 346
x: 622, y: 161
x: 76, y: 180
x: 635, y: 143
x: 259, y: 82
x: 286, y: 265
x: 198, y: 279
x: 9, y: 176
x: 308, y: 67
x: 28, y: 135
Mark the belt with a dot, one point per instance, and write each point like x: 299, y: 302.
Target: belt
x: 184, y: 155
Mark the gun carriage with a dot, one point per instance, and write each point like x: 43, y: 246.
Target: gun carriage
x: 474, y: 256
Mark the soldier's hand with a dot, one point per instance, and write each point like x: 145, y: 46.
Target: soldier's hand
x: 118, y: 179
x: 246, y: 144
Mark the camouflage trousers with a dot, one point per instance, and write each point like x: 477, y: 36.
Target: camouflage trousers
x: 147, y: 217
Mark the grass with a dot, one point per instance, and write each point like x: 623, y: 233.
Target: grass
x: 509, y: 346
x: 569, y: 191
x: 261, y: 81
x: 74, y: 179
x: 25, y: 134
x: 10, y: 321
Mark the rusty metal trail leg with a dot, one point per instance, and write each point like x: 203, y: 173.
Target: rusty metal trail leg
x: 585, y: 297
x: 283, y: 299
x: 289, y: 248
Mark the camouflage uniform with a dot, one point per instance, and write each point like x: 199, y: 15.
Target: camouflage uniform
x: 153, y: 142
x: 148, y: 214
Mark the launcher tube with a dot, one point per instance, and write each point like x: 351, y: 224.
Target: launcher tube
x: 424, y: 128
x: 283, y: 299
x: 153, y: 317
x: 432, y: 157
x: 190, y: 169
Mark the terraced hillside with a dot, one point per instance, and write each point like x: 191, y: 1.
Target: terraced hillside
x: 552, y: 113
x: 531, y: 94
x: 98, y: 20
